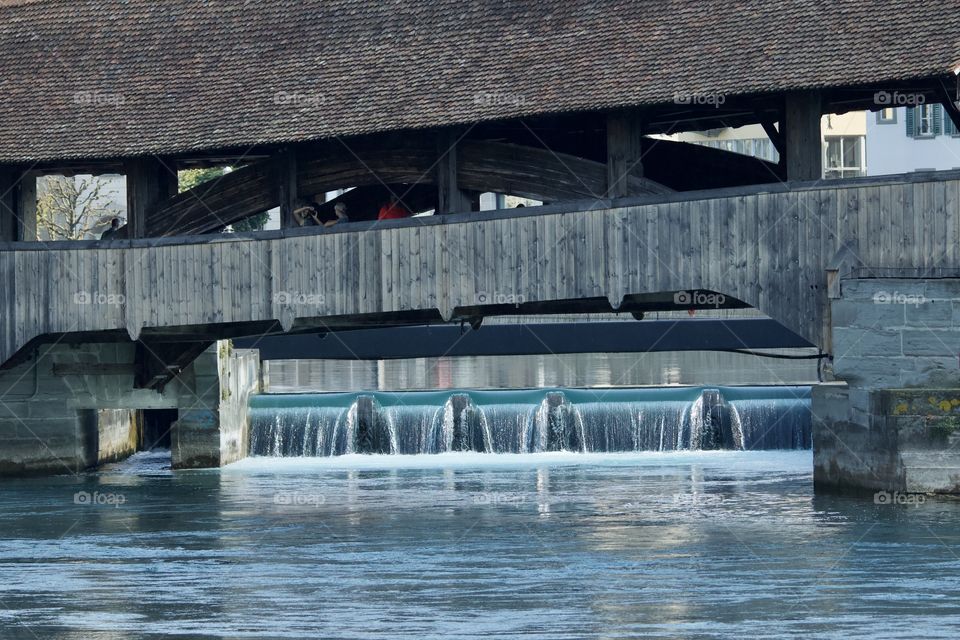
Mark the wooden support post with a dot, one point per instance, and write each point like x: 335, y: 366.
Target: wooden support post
x: 950, y: 105
x: 802, y: 137
x: 27, y: 208
x: 624, y: 152
x: 450, y: 198
x: 289, y: 187
x: 18, y: 205
x: 150, y: 181
x: 8, y: 208
x: 776, y: 137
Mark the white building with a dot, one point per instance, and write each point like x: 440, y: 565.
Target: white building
x: 904, y: 139
x: 843, y: 139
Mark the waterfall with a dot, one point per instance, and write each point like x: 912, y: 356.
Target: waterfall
x: 532, y: 421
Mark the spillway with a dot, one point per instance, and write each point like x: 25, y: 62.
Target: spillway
x: 531, y: 421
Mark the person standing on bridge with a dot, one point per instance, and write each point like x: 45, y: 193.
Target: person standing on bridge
x: 306, y: 215
x: 393, y: 210
x: 340, y: 209
x: 112, y: 231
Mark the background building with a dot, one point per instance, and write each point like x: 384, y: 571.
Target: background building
x: 843, y: 143
x: 907, y: 139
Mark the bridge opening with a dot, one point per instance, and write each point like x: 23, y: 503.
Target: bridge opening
x: 157, y: 424
x: 428, y: 389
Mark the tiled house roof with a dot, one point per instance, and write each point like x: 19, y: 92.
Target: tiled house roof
x: 86, y: 79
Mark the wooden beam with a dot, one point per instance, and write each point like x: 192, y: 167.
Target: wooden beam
x: 482, y: 166
x: 451, y: 199
x: 802, y: 137
x: 27, y: 208
x: 775, y: 135
x: 624, y: 152
x: 18, y: 205
x: 539, y: 174
x: 157, y: 363
x: 286, y: 166
x: 215, y: 204
x: 93, y: 368
x: 950, y: 104
x: 8, y: 205
x: 150, y: 181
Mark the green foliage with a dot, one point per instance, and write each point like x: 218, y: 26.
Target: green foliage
x: 190, y: 178
x: 256, y: 222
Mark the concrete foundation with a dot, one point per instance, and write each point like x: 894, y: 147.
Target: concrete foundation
x: 118, y: 434
x: 73, y: 407
x: 893, y: 424
x: 905, y: 440
x: 214, y: 424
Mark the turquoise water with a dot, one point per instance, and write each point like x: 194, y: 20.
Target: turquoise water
x: 531, y: 420
x: 688, y: 544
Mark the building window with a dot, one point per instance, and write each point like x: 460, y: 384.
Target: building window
x: 949, y: 128
x: 924, y: 121
x: 887, y: 116
x: 844, y: 157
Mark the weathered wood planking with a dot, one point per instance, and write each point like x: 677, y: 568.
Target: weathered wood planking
x: 769, y: 250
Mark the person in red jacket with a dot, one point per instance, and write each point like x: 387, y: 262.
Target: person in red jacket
x: 393, y: 210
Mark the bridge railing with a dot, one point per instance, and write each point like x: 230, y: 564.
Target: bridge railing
x: 767, y: 246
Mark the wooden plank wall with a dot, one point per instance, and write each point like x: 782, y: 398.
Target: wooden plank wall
x: 767, y: 249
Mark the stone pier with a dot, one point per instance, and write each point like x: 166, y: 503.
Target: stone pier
x: 892, y: 423
x: 214, y: 398
x: 72, y: 407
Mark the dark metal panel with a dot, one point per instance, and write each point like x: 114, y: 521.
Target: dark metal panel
x: 529, y: 339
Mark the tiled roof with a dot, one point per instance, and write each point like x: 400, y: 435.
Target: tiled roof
x: 85, y: 79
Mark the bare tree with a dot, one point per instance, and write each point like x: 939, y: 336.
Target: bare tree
x: 73, y: 208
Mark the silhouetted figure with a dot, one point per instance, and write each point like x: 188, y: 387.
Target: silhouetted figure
x: 112, y: 231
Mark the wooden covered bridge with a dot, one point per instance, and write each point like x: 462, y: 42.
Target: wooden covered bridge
x: 435, y: 103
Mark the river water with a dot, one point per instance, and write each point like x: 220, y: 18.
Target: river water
x: 710, y: 544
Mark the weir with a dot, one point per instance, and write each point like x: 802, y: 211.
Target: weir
x: 531, y: 421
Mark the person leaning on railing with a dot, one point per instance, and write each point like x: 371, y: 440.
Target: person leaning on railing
x: 340, y: 209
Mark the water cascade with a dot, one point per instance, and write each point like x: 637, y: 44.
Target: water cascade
x: 531, y: 421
